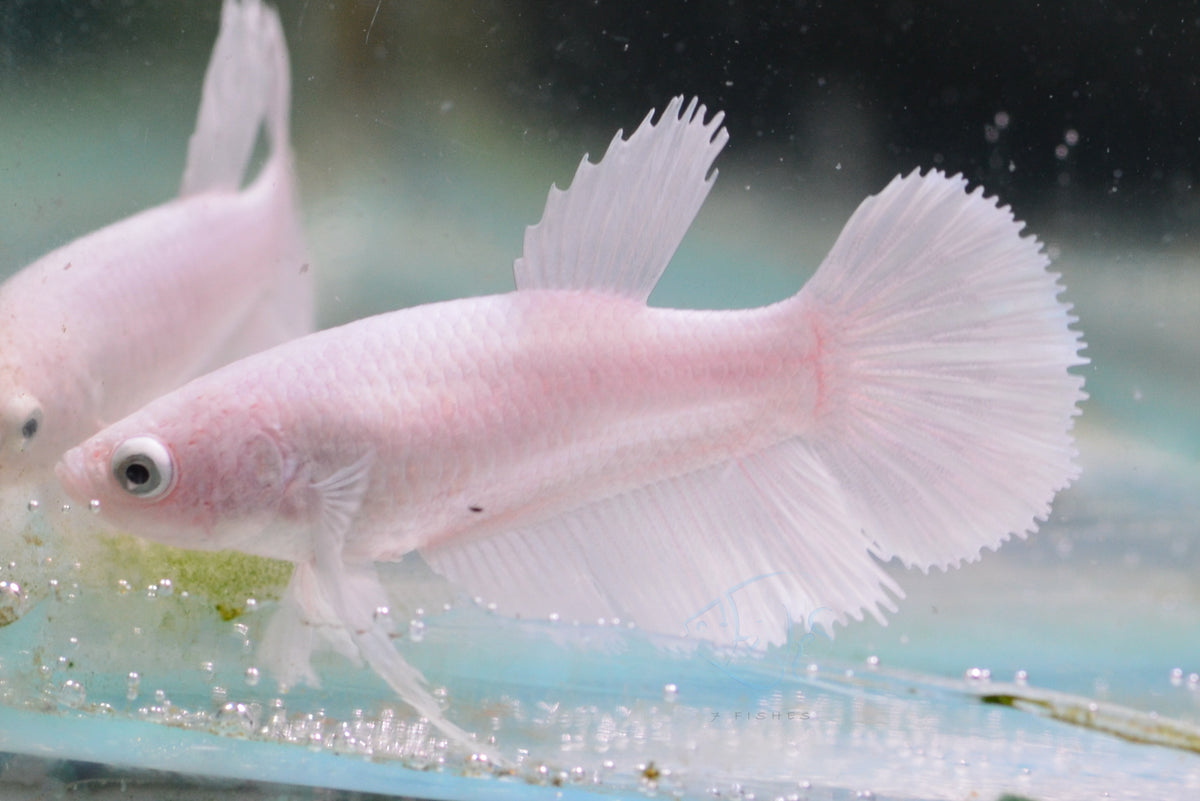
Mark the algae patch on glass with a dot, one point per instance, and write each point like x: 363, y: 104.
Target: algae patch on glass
x: 225, y: 580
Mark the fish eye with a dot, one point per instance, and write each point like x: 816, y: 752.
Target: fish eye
x: 143, y: 467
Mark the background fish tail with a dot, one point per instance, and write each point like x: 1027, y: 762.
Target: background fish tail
x: 248, y: 86
x: 947, y: 402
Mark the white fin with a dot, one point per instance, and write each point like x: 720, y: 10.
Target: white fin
x: 247, y: 83
x: 346, y: 604
x: 731, y: 554
x: 617, y: 226
x: 948, y: 405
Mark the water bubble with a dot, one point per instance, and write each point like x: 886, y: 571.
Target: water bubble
x: 165, y: 586
x: 251, y: 604
x: 94, y: 506
x: 66, y: 507
x: 416, y: 630
x: 872, y: 661
x: 72, y: 693
x: 1071, y: 137
x: 1002, y: 119
x: 670, y: 692
x: 978, y: 674
x: 33, y: 504
x: 1061, y: 152
x: 237, y: 718
x: 133, y: 684
x: 1021, y: 677
x: 252, y: 676
x: 1177, y: 676
x: 382, y: 612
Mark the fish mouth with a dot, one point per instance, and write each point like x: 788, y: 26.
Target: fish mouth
x: 77, y: 479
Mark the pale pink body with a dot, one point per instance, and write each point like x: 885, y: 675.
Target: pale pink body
x: 521, y: 405
x: 101, y: 326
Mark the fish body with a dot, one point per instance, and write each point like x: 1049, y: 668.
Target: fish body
x: 100, y: 326
x: 567, y: 449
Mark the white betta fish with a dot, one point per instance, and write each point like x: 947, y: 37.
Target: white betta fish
x: 568, y: 449
x: 97, y: 328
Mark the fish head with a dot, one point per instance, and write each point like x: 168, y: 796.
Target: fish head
x: 208, y: 480
x: 25, y: 447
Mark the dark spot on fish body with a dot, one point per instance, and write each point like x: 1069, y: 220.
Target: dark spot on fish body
x: 475, y: 508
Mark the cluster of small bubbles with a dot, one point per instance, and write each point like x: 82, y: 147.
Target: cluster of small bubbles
x: 977, y: 674
x: 1021, y: 677
x: 670, y: 693
x: 72, y: 693
x: 252, y: 676
x: 152, y: 591
x: 133, y: 685
x: 219, y: 695
x: 872, y: 661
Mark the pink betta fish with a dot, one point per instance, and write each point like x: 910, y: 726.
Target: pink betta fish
x: 567, y: 449
x: 97, y: 328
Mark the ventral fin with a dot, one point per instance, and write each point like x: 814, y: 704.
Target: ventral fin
x: 617, y: 226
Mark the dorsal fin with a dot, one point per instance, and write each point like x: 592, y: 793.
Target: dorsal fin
x: 247, y: 83
x: 616, y: 227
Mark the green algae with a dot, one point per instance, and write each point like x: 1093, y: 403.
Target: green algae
x: 223, y: 579
x: 1147, y: 728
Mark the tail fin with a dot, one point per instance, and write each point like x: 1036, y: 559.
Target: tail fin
x: 948, y: 407
x: 248, y: 83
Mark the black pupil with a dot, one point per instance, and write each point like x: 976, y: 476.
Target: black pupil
x: 137, y: 474
x: 30, y: 428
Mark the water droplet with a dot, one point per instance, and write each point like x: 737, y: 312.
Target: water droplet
x: 252, y: 676
x: 416, y: 630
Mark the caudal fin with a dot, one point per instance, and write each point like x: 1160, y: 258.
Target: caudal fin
x: 948, y: 402
x: 247, y: 85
